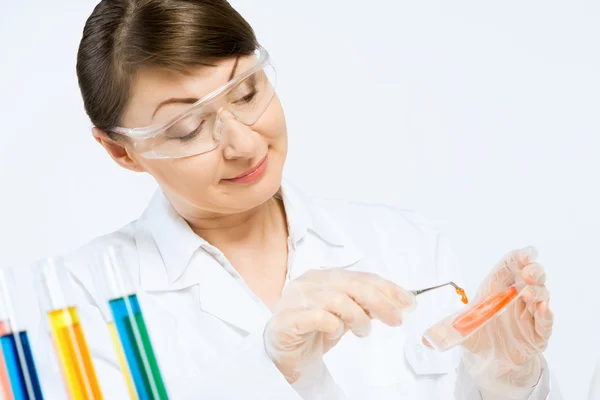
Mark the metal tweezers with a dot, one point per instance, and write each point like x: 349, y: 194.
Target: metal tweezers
x: 418, y: 292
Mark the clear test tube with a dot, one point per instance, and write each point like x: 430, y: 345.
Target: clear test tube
x: 129, y: 327
x: 69, y: 341
x: 17, y: 357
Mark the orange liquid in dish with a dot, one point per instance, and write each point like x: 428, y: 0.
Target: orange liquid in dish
x: 472, y: 319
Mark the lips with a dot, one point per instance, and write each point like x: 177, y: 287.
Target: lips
x: 252, y: 174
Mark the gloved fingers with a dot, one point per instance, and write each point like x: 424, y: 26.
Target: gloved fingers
x: 497, y: 281
x: 522, y: 257
x: 296, y: 295
x: 516, y: 260
x: 531, y: 295
x: 536, y: 328
x: 534, y: 319
x: 505, y: 272
x: 296, y: 324
x: 339, y: 304
x: 500, y: 279
x: 544, y: 320
x: 534, y: 274
x: 535, y: 294
x: 375, y: 303
x: 325, y: 322
x: 344, y: 280
x: 401, y: 297
x: 360, y: 287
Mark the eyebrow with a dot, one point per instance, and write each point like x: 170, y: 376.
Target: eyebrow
x: 192, y: 100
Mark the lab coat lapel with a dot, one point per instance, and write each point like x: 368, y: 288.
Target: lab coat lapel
x: 218, y: 292
x: 313, y: 253
x: 318, y: 241
x: 324, y: 244
x: 225, y: 298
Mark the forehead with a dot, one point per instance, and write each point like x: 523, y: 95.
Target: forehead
x: 152, y: 85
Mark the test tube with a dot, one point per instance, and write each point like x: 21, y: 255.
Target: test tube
x: 5, y: 391
x: 122, y: 361
x: 67, y: 334
x: 18, y: 362
x: 456, y: 328
x: 128, y: 328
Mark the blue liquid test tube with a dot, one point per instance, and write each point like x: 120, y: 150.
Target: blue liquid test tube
x: 14, y: 341
x: 141, y: 369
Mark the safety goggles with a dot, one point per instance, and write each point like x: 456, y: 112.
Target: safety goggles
x: 200, y: 128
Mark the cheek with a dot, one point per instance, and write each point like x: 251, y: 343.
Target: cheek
x: 272, y: 125
x: 185, y: 175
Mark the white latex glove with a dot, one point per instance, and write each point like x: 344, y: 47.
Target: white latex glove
x: 319, y: 307
x: 504, y: 355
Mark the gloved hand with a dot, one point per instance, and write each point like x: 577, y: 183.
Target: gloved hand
x: 503, y: 356
x: 319, y: 307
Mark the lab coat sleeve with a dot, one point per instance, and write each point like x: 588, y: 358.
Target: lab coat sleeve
x: 466, y: 387
x: 594, y: 389
x: 546, y: 388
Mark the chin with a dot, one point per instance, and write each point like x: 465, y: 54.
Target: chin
x: 244, y: 197
x: 247, y: 197
x: 263, y: 190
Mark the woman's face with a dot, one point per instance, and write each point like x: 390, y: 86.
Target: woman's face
x: 207, y: 182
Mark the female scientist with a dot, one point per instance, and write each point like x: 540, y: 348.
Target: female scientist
x: 250, y: 288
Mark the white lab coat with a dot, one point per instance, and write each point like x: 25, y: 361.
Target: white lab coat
x: 206, y: 325
x: 594, y: 389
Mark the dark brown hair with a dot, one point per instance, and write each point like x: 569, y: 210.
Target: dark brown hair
x: 122, y: 36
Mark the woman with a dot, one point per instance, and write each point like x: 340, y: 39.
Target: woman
x: 251, y: 289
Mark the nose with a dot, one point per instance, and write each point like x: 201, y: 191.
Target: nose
x: 237, y: 139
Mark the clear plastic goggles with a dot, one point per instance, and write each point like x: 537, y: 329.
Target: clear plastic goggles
x: 200, y: 128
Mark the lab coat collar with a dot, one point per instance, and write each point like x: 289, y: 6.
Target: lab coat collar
x: 178, y: 244
x: 172, y: 257
x: 173, y: 237
x: 304, y: 215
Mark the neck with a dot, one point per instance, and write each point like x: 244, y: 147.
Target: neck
x: 253, y: 227
x: 254, y: 241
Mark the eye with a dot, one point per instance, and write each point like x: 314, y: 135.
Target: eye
x: 247, y: 98
x: 190, y: 135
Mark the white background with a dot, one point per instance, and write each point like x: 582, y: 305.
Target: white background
x: 482, y: 115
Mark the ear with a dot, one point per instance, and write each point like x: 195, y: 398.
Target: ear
x: 117, y: 151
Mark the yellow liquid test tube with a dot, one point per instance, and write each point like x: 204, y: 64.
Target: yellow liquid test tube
x: 70, y: 346
x: 74, y: 355
x: 122, y: 362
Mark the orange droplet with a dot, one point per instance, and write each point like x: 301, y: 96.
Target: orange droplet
x: 463, y: 295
